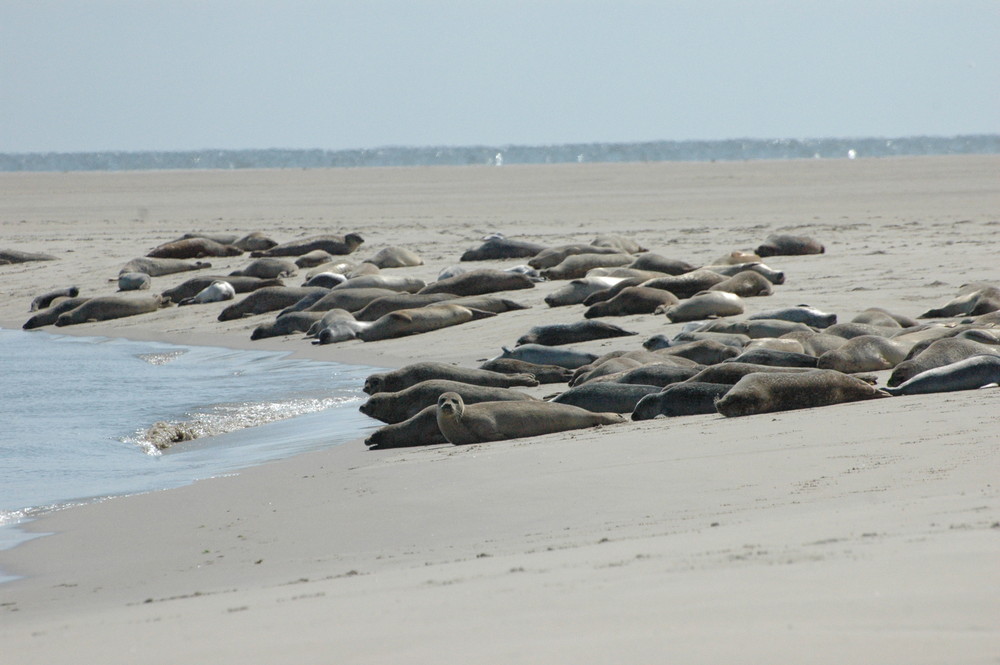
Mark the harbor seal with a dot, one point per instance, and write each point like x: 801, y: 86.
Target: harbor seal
x: 217, y: 291
x: 662, y: 341
x: 395, y: 257
x: 705, y: 305
x: 553, y: 256
x: 503, y: 248
x: 267, y: 268
x: 577, y: 265
x: 732, y: 372
x: 632, y: 300
x: 286, y: 324
x: 736, y: 257
x: 48, y: 316
x: 317, y: 257
x: 381, y: 306
x: 395, y: 407
x: 193, y: 248
x: 350, y: 299
x: 621, y: 243
x: 549, y: 355
x: 768, y: 392
x: 105, y: 308
x: 8, y: 256
x: 728, y: 270
x: 968, y: 374
x: 420, y: 430
x: 191, y: 287
x: 783, y: 244
x: 688, y: 284
x: 973, y: 302
x: 542, y: 373
x: 865, y: 353
x: 332, y: 244
x: 605, y: 396
x: 876, y: 316
x: 158, y: 267
x: 702, y: 351
x: 660, y: 374
x: 267, y: 299
x: 327, y: 280
x: 938, y: 354
x: 815, y: 344
x: 404, y: 377
x: 682, y: 399
x: 464, y: 423
x: 396, y: 283
x: 405, y: 322
x: 480, y: 282
x: 44, y: 300
x: 133, y: 281
x: 801, y: 314
x: 558, y: 334
x: 577, y: 290
x: 774, y: 358
x: 659, y: 263
x: 746, y: 284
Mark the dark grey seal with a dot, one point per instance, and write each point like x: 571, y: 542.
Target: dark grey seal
x: 683, y: 399
x: 605, y: 396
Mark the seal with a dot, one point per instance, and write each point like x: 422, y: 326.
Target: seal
x: 938, y: 354
x: 410, y: 375
x: 577, y: 290
x: 249, y: 242
x: 267, y: 299
x: 395, y: 257
x: 736, y: 257
x: 662, y: 341
x: 340, y: 330
x: 606, y: 396
x: 970, y: 302
x: 332, y: 244
x: 745, y: 284
x: 876, y: 316
x: 775, y: 358
x: 547, y: 355
x: 44, y: 300
x: 621, y: 243
x: 193, y: 248
x: 464, y: 423
x: 267, y: 268
x: 801, y: 314
x: 577, y: 265
x: 652, y: 374
x: 852, y: 330
x: 705, y: 305
x: 785, y: 344
x: 105, y: 308
x: 191, y: 287
x: 480, y: 282
x: 350, y: 299
x: 8, y: 256
x: 732, y: 372
x: 395, y: 407
x: 865, y: 353
x: 381, y: 306
x: 815, y: 344
x: 346, y: 268
x: 328, y: 318
x: 728, y: 270
x: 553, y: 256
x: 691, y: 398
x: 217, y: 291
x: 317, y: 257
x: 783, y: 244
x: 542, y: 373
x: 702, y: 351
x: 755, y: 329
x: 50, y: 315
x: 133, y: 281
x: 659, y: 263
x: 396, y: 283
x: 286, y: 324
x: 158, y: 267
x: 968, y: 374
x: 503, y: 248
x: 327, y: 280
x: 603, y: 369
x: 632, y: 300
x: 420, y: 430
x: 688, y: 284
x: 404, y: 322
x: 558, y: 334
x: 768, y: 392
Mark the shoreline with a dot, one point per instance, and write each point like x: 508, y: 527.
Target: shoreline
x: 856, y: 532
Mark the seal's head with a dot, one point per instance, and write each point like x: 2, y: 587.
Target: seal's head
x: 451, y: 405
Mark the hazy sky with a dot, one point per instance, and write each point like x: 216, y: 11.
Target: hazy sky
x: 178, y: 74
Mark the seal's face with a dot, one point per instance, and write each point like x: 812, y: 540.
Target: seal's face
x: 373, y: 384
x: 450, y: 404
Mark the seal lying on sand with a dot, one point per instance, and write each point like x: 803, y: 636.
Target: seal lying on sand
x: 106, y: 308
x: 268, y: 299
x: 383, y: 305
x: 405, y: 322
x: 557, y: 334
x: 397, y: 406
x: 681, y: 399
x: 547, y: 355
x: 478, y: 282
x: 632, y: 300
x: 463, y: 423
x: 503, y: 248
x: 420, y: 430
x: 938, y: 354
x: 50, y: 315
x: 333, y: 244
x: 659, y: 263
x: 133, y: 281
x: 44, y: 300
x: 605, y: 396
x: 705, y: 305
x: 766, y: 392
x: 405, y: 377
x: 542, y: 373
x: 16, y: 256
x: 192, y: 287
x: 193, y: 248
x: 157, y: 267
x: 788, y: 245
x: 395, y: 257
x: 800, y: 314
x: 969, y: 374
x: 267, y: 268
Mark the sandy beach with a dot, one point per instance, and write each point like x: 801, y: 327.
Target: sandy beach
x: 865, y: 532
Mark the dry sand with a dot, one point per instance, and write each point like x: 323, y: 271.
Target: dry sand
x: 865, y: 532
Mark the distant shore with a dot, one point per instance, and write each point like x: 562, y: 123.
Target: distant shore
x: 851, y: 533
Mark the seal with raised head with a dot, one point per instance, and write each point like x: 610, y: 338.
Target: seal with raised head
x: 158, y: 267
x: 420, y: 430
x: 193, y: 248
x: 479, y: 282
x: 968, y: 374
x: 395, y: 257
x: 404, y: 377
x: 424, y: 319
x: 768, y: 392
x: 558, y: 334
x: 332, y: 244
x: 705, y: 305
x: 464, y: 423
x: 217, y: 291
x: 267, y: 299
x: 690, y: 398
x: 44, y: 300
x: 542, y: 373
x: 632, y: 300
x: 783, y: 244
x: 397, y: 406
x: 105, y: 308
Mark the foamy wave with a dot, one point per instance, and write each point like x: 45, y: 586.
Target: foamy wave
x: 226, y: 418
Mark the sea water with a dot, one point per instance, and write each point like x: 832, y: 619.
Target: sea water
x: 75, y: 415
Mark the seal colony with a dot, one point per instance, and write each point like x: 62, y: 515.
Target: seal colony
x: 727, y: 359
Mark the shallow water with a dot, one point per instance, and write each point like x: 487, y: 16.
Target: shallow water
x: 76, y: 411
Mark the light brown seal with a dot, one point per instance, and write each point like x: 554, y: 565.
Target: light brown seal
x: 767, y: 392
x: 404, y: 322
x: 865, y: 353
x: 632, y: 300
x: 463, y: 423
x: 557, y: 334
x: 50, y: 315
x: 267, y: 268
x: 332, y: 244
x: 395, y: 257
x: 17, y: 256
x: 193, y: 248
x: 577, y: 265
x: 746, y: 284
x: 705, y: 305
x: 404, y: 377
x: 157, y: 267
x: 479, y: 282
x: 105, y: 308
x: 553, y: 256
